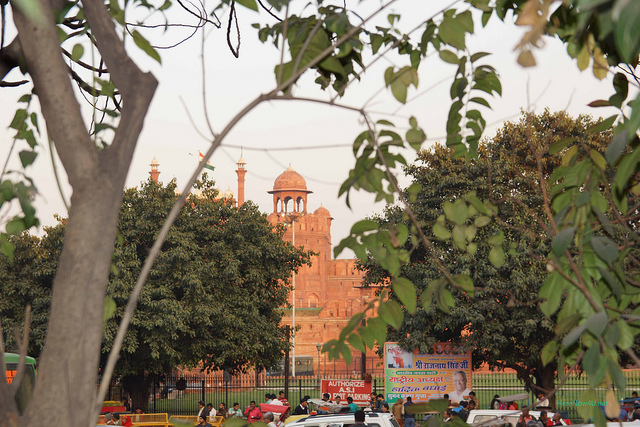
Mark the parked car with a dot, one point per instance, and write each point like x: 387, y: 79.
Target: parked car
x: 482, y: 415
x: 372, y: 419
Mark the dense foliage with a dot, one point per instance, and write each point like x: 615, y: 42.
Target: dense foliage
x: 213, y: 297
x: 499, y: 320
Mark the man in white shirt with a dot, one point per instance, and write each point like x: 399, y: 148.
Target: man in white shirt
x: 460, y: 385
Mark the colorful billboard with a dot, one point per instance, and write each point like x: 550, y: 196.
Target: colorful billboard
x: 358, y: 390
x: 443, y: 370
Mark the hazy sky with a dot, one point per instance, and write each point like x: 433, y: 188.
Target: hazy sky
x: 281, y: 133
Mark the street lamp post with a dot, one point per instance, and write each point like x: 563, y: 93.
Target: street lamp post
x: 291, y: 217
x: 319, y: 347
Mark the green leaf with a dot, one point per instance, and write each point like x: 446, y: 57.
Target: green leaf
x: 616, y: 375
x: 482, y: 221
x: 356, y: 342
x: 77, y: 52
x: 251, y: 4
x: 618, y: 145
x: 451, y: 33
x: 626, y: 168
x: 6, y: 247
x: 574, y: 335
x: 549, y: 352
x: 364, y: 226
x: 626, y: 335
x: 27, y: 157
x: 406, y: 293
x: 597, y: 323
x: 603, y: 125
x: 109, y: 309
x: 15, y: 226
x: 144, y: 44
x: 465, y: 282
x: 585, y: 411
x: 441, y: 232
x: 399, y: 90
x: 378, y: 328
x: 497, y: 239
x: 391, y: 312
x: 448, y: 56
x: 562, y: 240
x: 605, y: 248
x: 496, y: 256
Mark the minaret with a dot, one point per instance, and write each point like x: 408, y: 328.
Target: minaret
x: 154, y: 172
x: 241, y: 171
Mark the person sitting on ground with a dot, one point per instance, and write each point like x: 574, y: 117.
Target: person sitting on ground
x: 267, y: 398
x: 513, y: 406
x: 303, y: 408
x: 212, y: 412
x: 275, y: 400
x: 253, y: 413
x: 352, y: 406
x: 384, y: 408
x: 544, y: 419
x: 542, y: 401
x: 524, y: 418
x: 138, y: 411
x: 557, y: 420
x: 473, y: 398
x: 268, y: 419
x: 222, y: 410
x: 202, y: 421
x: 282, y: 399
x: 203, y: 409
x: 472, y: 405
x: 359, y: 418
x: 235, y: 411
x: 495, y: 403
x: 108, y: 419
x: 116, y: 420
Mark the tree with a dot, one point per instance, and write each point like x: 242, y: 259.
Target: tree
x: 213, y: 298
x: 500, y: 320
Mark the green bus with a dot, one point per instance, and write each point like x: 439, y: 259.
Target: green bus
x: 28, y: 379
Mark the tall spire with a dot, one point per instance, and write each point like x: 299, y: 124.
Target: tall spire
x: 154, y: 172
x: 241, y: 171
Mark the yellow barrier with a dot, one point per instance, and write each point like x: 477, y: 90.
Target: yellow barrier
x: 149, y: 420
x: 215, y: 421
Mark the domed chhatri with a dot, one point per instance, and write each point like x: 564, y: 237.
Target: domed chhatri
x: 290, y: 193
x: 290, y: 180
x: 322, y: 211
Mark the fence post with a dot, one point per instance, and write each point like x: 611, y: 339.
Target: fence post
x: 375, y: 386
x: 202, y: 390
x: 154, y: 394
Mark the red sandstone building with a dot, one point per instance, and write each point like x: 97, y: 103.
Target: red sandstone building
x: 326, y: 294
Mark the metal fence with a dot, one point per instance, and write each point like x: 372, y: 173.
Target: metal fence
x: 165, y: 396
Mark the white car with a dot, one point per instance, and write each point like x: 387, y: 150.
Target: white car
x: 372, y: 419
x: 482, y: 415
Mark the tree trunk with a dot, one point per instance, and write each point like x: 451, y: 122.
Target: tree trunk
x: 138, y: 388
x: 546, y: 379
x: 69, y: 363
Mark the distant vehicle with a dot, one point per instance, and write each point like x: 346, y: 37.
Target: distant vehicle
x: 482, y: 415
x: 304, y: 367
x: 28, y: 379
x: 372, y: 419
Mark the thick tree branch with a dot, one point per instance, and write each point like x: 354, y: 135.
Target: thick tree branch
x: 136, y: 88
